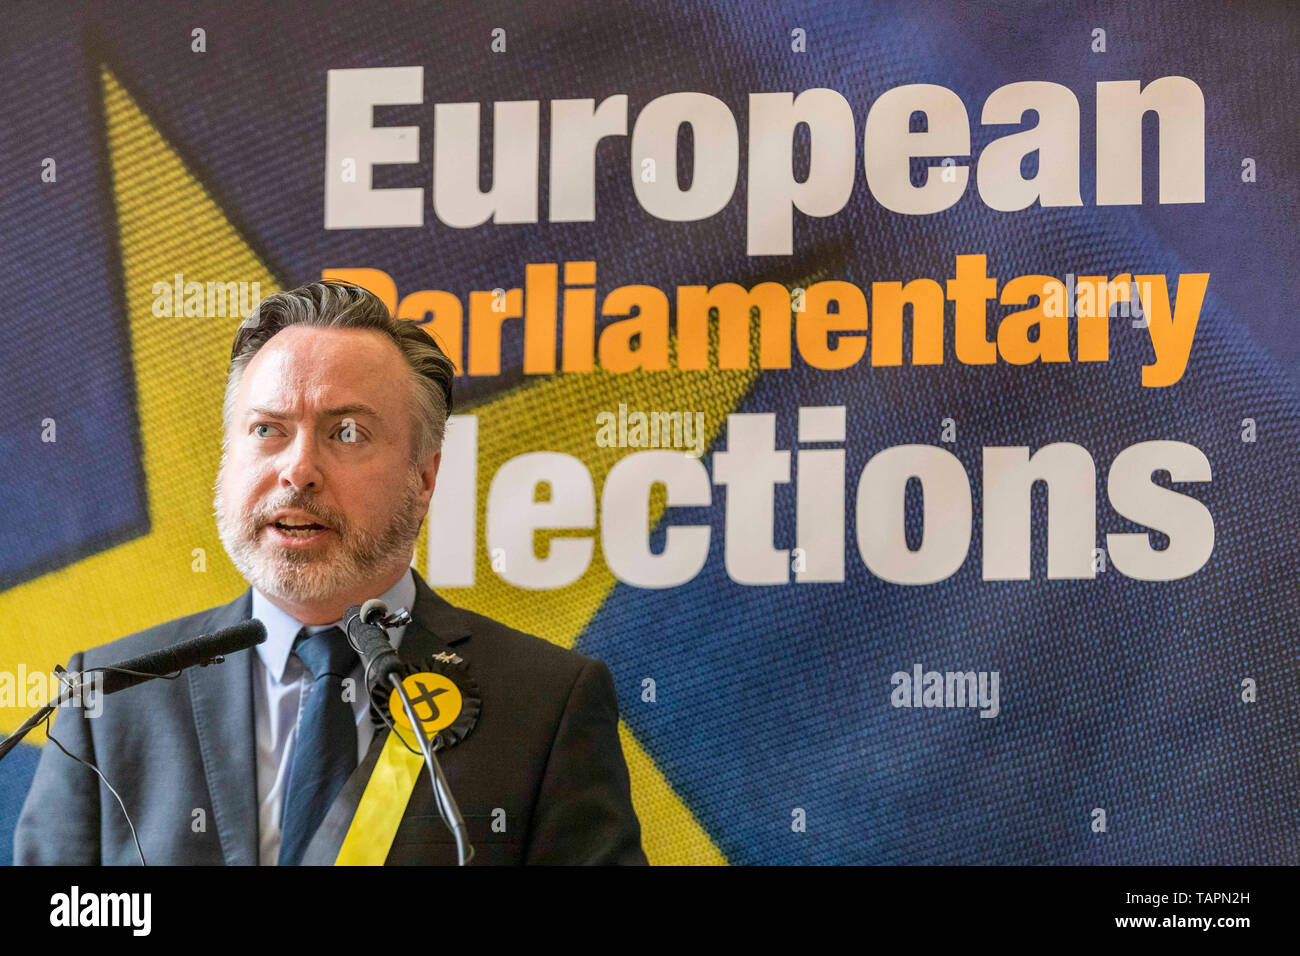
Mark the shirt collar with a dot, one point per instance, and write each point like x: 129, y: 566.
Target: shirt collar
x: 282, y: 628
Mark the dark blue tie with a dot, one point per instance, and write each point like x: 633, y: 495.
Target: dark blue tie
x: 325, y: 752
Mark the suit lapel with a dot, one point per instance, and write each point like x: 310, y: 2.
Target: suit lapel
x: 222, y: 696
x: 435, y: 625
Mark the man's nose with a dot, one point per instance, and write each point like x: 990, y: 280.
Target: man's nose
x: 300, y: 468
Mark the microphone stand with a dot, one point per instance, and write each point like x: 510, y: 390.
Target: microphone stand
x: 10, y: 742
x: 363, y: 626
x: 168, y: 662
x: 202, y: 651
x: 442, y: 797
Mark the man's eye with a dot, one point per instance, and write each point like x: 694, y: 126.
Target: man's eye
x: 261, y: 425
x: 349, y: 433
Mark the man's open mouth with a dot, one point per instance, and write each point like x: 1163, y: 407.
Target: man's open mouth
x: 296, y: 529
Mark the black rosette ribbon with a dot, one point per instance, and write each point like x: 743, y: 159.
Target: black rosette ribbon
x: 471, y: 701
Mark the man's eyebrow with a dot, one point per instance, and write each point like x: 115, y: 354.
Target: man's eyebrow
x: 353, y: 408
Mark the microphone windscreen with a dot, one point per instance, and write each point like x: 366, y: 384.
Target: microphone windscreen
x: 197, y: 650
x: 371, y: 643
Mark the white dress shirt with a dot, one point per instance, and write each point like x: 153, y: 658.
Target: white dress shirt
x: 279, y: 682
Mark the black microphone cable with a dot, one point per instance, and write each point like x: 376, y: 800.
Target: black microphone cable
x: 371, y: 643
x: 49, y: 735
x: 85, y: 763
x: 203, y: 650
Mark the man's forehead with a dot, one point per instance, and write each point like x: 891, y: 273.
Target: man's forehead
x: 324, y: 372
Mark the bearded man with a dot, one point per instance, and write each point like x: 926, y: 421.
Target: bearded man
x: 333, y: 422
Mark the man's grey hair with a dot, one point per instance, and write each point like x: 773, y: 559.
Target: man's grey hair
x: 331, y: 304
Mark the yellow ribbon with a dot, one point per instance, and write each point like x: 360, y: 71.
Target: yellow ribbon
x: 391, y: 783
x: 382, y: 806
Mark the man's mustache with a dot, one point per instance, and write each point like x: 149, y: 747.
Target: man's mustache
x: 326, y: 516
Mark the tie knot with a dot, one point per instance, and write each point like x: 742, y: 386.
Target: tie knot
x: 325, y: 652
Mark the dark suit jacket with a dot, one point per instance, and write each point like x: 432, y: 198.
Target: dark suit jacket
x: 545, y: 750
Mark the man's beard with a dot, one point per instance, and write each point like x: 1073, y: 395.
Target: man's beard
x: 307, y: 575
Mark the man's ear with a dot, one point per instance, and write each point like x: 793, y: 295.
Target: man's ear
x: 429, y: 478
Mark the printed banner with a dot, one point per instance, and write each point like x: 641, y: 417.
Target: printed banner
x: 899, y: 398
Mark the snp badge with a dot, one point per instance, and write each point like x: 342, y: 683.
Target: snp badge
x: 444, y: 697
x: 437, y: 702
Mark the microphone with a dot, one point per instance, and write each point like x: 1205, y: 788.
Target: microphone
x: 199, y: 650
x: 371, y: 643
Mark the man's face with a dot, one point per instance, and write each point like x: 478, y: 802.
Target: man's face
x: 320, y: 439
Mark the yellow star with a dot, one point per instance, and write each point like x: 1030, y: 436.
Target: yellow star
x: 168, y: 224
